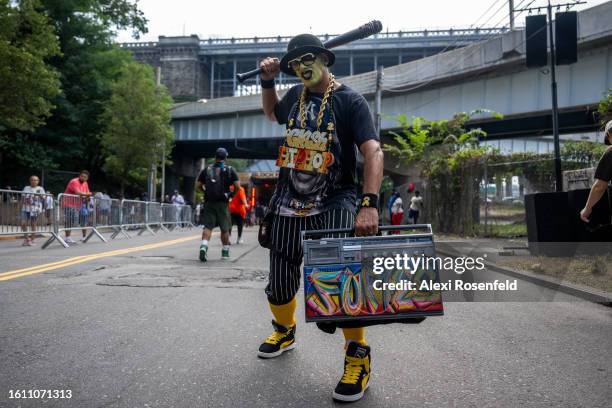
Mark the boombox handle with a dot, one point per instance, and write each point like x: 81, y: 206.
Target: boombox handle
x: 380, y: 229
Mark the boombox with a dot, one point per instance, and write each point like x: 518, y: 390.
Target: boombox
x: 374, y: 278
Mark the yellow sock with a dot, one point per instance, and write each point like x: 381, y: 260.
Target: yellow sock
x: 356, y: 334
x: 284, y: 314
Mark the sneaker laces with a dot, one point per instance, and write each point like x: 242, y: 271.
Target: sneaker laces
x: 352, y: 370
x: 275, y: 337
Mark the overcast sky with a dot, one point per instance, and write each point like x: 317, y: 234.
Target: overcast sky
x: 241, y: 18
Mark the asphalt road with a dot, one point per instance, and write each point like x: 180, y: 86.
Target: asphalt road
x: 156, y: 328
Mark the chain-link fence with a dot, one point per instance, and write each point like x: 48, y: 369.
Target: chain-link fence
x: 501, y: 210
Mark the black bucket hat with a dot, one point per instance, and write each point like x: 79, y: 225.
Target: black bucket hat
x: 303, y: 44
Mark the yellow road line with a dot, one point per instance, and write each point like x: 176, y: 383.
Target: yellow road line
x: 85, y: 258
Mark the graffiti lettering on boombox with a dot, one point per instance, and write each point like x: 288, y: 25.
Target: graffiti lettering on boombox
x: 347, y: 290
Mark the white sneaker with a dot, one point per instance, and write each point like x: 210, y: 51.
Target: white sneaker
x: 240, y: 241
x: 69, y: 240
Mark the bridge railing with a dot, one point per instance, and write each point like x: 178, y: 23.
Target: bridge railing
x: 462, y: 32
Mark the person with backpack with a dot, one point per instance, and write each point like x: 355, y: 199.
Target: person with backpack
x: 215, y: 180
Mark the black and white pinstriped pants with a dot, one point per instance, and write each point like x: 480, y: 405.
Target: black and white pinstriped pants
x: 286, y: 253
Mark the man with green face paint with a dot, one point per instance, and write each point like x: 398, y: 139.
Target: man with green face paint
x: 317, y: 189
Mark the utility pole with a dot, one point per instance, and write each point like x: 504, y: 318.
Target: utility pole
x: 163, y: 158
x: 377, y: 105
x: 511, y: 5
x: 555, y: 107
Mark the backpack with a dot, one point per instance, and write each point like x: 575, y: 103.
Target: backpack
x: 217, y: 183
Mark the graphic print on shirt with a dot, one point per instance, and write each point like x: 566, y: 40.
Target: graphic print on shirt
x: 310, y: 160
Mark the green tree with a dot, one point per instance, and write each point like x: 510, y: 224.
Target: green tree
x: 27, y: 83
x: 605, y: 108
x: 451, y: 162
x: 88, y: 65
x: 137, y: 125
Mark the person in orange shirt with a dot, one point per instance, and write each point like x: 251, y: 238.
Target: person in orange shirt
x: 238, y: 209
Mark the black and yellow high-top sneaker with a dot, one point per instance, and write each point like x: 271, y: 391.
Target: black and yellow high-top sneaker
x: 356, y: 375
x: 277, y: 343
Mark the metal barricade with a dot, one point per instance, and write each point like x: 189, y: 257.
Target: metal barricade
x: 73, y: 213
x: 27, y: 214
x: 155, y: 216
x: 169, y: 216
x: 110, y: 215
x: 186, y: 216
x: 134, y: 216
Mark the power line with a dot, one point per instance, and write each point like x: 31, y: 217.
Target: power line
x: 456, y: 41
x: 469, y: 78
x: 404, y: 90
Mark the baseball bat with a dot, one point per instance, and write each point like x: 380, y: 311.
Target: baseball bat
x: 358, y: 33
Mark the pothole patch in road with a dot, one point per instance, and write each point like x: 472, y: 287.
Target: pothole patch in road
x: 155, y: 257
x: 143, y: 280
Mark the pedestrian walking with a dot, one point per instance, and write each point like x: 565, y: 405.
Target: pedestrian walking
x: 215, y: 180
x: 397, y: 212
x: 392, y: 198
x: 326, y: 122
x: 603, y: 176
x: 416, y: 205
x: 31, y: 209
x: 238, y: 211
x: 76, y: 208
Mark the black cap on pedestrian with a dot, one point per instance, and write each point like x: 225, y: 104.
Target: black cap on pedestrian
x: 221, y: 153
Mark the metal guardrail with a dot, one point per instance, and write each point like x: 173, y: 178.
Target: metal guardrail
x: 33, y: 214
x: 468, y: 32
x: 73, y: 213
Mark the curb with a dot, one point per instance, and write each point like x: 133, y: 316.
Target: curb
x: 17, y: 237
x: 583, y: 292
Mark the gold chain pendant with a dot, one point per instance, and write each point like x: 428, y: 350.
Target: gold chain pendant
x: 328, y: 92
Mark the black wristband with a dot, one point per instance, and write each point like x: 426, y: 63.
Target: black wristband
x: 267, y: 83
x: 369, y: 200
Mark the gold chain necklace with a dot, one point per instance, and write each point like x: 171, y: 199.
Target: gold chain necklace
x: 328, y: 92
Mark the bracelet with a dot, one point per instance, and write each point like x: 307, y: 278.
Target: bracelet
x: 267, y: 83
x: 369, y: 200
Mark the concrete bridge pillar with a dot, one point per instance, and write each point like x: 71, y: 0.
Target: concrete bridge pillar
x: 498, y: 188
x: 181, y: 69
x: 182, y: 176
x: 508, y: 189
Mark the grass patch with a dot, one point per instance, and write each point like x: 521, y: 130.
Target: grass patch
x: 591, y: 271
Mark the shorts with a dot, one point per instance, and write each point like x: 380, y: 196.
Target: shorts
x: 215, y: 214
x: 74, y: 217
x: 29, y: 215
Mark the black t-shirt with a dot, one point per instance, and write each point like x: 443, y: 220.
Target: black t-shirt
x: 230, y: 175
x: 301, y: 193
x: 604, y: 168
